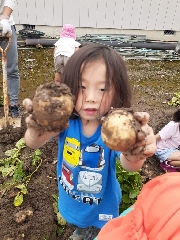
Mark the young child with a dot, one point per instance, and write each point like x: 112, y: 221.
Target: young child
x: 168, y: 144
x: 154, y: 216
x: 64, y: 49
x: 89, y: 193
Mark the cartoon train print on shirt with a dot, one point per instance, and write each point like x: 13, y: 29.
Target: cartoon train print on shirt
x: 71, y: 151
x: 89, y: 180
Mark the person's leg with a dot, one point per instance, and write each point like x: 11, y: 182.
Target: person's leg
x: 13, y: 73
x: 12, y: 70
x: 167, y: 168
x: 58, y: 67
x: 174, y: 159
x: 65, y: 60
x: 166, y: 156
x: 77, y: 235
x: 90, y: 233
x: 57, y: 77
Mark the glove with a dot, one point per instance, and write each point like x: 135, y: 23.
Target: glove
x: 6, y: 27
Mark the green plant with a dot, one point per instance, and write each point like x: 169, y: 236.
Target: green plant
x: 131, y: 185
x: 1, y: 101
x: 12, y: 167
x: 60, y: 219
x: 175, y: 101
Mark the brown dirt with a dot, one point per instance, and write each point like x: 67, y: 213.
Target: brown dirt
x: 153, y: 84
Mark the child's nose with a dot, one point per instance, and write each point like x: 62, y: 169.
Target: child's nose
x: 90, y: 95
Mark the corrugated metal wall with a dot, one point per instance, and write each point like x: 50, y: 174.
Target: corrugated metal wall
x: 120, y: 14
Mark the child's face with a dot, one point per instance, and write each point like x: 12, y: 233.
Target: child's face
x: 94, y: 100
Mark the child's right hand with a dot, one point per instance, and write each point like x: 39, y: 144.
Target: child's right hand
x: 35, y: 129
x: 35, y: 136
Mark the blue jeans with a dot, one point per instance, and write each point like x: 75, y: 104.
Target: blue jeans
x: 12, y: 68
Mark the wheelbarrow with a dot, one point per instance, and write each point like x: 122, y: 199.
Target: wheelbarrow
x: 6, y: 120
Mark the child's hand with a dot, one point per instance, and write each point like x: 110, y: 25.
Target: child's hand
x: 146, y: 145
x: 35, y: 129
x: 36, y: 135
x: 30, y: 122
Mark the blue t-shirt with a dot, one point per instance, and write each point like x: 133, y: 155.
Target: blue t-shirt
x: 89, y: 193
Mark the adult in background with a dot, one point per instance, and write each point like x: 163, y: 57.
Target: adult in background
x: 8, y: 28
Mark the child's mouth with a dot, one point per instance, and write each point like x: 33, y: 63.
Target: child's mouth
x: 90, y: 111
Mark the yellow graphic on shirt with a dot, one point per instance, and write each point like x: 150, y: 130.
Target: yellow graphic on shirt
x: 71, y: 152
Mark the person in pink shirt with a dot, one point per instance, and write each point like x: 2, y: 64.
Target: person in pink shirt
x: 168, y: 144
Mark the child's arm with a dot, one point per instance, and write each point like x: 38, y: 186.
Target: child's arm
x: 133, y: 159
x: 158, y: 138
x: 55, y: 49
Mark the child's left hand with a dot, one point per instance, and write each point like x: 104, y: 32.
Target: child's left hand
x: 146, y: 145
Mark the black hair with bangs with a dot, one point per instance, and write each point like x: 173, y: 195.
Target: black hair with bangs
x: 176, y: 116
x: 116, y: 72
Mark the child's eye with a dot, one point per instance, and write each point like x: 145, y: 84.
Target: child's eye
x: 82, y: 87
x: 102, y: 89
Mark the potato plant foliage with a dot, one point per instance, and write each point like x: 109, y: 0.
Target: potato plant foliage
x: 61, y: 222
x: 175, y: 101
x: 131, y: 185
x: 17, y: 177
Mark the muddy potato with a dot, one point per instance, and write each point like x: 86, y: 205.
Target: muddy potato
x: 119, y: 130
x: 20, y: 217
x: 52, y: 106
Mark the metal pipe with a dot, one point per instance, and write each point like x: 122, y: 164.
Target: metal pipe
x: 155, y: 45
x: 147, y: 45
x: 41, y: 41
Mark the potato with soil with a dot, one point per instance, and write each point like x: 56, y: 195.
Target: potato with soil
x: 120, y: 129
x: 52, y: 106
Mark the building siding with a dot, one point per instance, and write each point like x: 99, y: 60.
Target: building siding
x: 119, y: 14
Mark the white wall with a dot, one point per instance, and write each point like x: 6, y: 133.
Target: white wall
x: 101, y: 16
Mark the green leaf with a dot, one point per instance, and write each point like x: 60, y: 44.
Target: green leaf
x: 55, y: 197
x: 10, y: 152
x: 19, y: 172
x: 59, y: 230
x: 131, y: 184
x: 7, y: 171
x: 36, y: 157
x: 38, y: 152
x: 125, y: 198
x: 22, y: 187
x: 175, y: 101
x: 20, y: 144
x: 133, y: 194
x: 61, y: 220
x: 55, y: 207
x: 18, y: 200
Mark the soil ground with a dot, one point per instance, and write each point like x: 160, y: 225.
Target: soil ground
x: 153, y: 85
